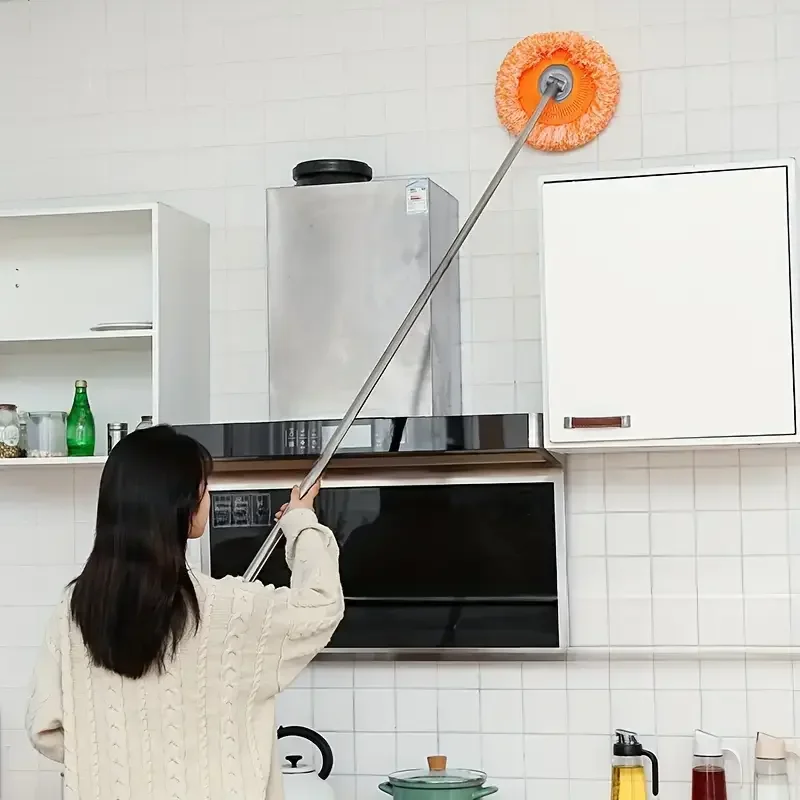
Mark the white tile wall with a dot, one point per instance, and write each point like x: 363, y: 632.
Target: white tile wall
x: 201, y: 104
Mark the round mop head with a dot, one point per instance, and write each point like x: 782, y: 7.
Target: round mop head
x: 587, y: 98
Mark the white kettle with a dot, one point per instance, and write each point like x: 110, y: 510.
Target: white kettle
x: 301, y: 781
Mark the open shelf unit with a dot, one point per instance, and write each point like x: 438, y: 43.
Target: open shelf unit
x: 65, y: 272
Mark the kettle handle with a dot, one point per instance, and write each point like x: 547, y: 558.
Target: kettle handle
x: 654, y: 762
x: 317, y: 739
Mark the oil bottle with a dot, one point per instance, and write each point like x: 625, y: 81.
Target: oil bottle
x: 708, y: 767
x: 771, y: 779
x: 628, y: 781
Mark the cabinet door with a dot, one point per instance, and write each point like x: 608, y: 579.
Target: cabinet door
x: 667, y: 305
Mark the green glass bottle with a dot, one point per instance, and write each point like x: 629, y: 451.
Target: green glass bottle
x: 80, y: 424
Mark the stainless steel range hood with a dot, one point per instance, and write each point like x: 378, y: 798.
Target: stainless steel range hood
x: 346, y: 261
x: 345, y: 264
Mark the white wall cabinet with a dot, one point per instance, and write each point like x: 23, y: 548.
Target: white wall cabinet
x: 75, y: 286
x: 667, y: 308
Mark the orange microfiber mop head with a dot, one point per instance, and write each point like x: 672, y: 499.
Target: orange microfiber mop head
x: 580, y: 116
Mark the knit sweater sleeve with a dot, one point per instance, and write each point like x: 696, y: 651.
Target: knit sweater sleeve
x: 44, y: 715
x: 301, y: 618
x: 311, y: 608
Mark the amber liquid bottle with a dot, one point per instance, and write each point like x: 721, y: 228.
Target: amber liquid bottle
x: 628, y: 779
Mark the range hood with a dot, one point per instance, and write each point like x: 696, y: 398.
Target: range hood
x: 345, y: 263
x: 379, y: 441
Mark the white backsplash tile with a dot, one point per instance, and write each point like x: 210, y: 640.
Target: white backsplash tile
x: 416, y: 710
x: 459, y: 711
x: 546, y: 711
x: 547, y: 756
x: 333, y: 709
x: 413, y: 675
x: 503, y: 754
x: 630, y: 622
x: 672, y: 533
x: 717, y: 489
x: 458, y: 676
x: 627, y: 534
x: 501, y: 676
x: 501, y: 711
x: 589, y: 711
x: 376, y: 753
x: 588, y: 758
x: 375, y: 710
x: 719, y: 533
x: 677, y: 711
x: 636, y: 705
x: 374, y: 675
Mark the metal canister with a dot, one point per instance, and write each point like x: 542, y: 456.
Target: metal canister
x: 117, y: 431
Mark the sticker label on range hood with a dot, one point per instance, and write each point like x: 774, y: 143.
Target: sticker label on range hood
x: 417, y: 197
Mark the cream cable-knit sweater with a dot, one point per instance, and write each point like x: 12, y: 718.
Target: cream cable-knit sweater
x: 204, y: 730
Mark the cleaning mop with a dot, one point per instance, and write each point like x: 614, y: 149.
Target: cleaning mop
x: 566, y: 65
x: 589, y: 74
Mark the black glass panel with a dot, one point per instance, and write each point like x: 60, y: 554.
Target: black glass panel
x: 422, y: 566
x: 255, y: 440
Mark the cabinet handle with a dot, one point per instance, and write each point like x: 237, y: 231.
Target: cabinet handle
x: 597, y: 422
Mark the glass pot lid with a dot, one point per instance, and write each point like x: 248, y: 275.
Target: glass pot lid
x: 437, y: 776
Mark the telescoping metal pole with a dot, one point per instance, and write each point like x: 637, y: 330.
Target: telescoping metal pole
x: 552, y: 89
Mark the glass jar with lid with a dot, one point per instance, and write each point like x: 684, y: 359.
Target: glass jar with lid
x: 47, y: 434
x: 9, y: 431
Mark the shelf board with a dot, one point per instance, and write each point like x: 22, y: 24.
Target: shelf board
x: 68, y: 211
x: 89, y: 340
x: 86, y: 461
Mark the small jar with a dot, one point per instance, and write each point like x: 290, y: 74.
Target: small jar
x: 47, y: 434
x: 115, y: 433
x: 145, y: 422
x: 9, y: 432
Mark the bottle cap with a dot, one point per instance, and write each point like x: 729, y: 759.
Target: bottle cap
x: 627, y: 744
x: 707, y: 744
x: 80, y: 384
x: 770, y: 746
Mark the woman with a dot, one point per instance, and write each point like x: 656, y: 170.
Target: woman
x: 157, y: 683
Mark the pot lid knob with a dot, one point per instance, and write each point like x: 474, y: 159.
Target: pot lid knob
x: 294, y: 761
x: 437, y: 763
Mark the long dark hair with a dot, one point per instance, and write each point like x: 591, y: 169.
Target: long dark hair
x: 135, y: 598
